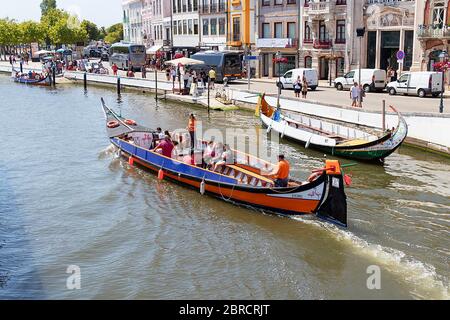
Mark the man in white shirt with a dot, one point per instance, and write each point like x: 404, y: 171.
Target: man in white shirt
x: 354, y: 94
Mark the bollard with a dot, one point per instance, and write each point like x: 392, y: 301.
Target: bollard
x: 54, y: 76
x: 208, y: 95
x: 85, y: 81
x: 156, y: 84
x: 118, y: 86
x: 383, y: 120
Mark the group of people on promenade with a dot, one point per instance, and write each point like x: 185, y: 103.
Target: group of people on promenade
x: 357, y: 94
x: 301, y: 85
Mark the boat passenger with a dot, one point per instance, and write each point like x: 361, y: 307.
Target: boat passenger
x: 165, y: 147
x: 281, y: 172
x: 209, y: 153
x: 177, y: 151
x: 191, y: 129
x: 167, y: 133
x: 226, y: 158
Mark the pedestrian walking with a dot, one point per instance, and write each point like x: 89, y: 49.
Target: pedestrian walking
x: 361, y: 93
x: 297, y: 87
x: 114, y: 68
x: 304, y: 88
x: 144, y: 72
x: 10, y: 59
x: 354, y: 94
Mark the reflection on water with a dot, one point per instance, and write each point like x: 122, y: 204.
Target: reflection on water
x: 67, y: 198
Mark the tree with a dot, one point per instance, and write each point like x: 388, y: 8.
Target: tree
x: 62, y: 28
x: 114, y: 33
x: 31, y: 31
x: 46, y: 5
x: 91, y: 30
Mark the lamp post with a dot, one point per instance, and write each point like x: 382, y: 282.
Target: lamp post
x: 278, y: 61
x: 443, y: 56
x: 360, y: 34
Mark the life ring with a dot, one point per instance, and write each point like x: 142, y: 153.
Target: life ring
x: 130, y: 122
x: 112, y: 124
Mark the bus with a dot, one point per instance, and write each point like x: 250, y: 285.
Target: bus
x: 226, y: 64
x: 125, y: 55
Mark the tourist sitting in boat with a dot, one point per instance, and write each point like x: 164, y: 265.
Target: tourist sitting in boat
x: 281, y: 172
x: 209, y: 154
x: 167, y: 133
x: 177, y: 152
x: 165, y: 147
x: 227, y: 158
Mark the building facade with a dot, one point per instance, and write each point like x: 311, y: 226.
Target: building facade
x: 132, y: 21
x: 433, y: 33
x: 278, y: 24
x: 213, y: 26
x: 390, y: 27
x: 185, y: 26
x: 328, y: 36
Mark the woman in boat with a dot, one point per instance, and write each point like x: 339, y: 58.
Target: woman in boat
x: 209, y: 154
x: 226, y: 158
x: 165, y: 147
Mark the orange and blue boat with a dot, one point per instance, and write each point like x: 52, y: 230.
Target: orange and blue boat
x: 243, y: 182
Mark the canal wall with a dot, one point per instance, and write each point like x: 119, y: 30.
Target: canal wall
x: 426, y: 130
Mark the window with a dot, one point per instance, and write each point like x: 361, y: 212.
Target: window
x: 266, y: 30
x: 195, y: 5
x: 190, y: 29
x: 213, y: 23
x: 180, y: 27
x: 205, y: 27
x: 178, y: 6
x: 438, y: 15
x: 278, y: 2
x: 175, y: 28
x: 323, y: 33
x: 278, y: 30
x: 221, y: 26
x: 266, y: 2
x: 291, y: 30
x: 308, y: 62
x: 291, y: 1
x: 236, y: 28
x: 340, y: 66
x: 308, y: 37
x: 189, y: 6
x: 288, y: 75
x: 195, y: 26
x: 340, y: 31
x: 185, y: 27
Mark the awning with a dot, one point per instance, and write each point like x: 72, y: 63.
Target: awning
x: 154, y: 49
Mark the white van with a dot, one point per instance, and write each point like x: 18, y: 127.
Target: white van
x: 288, y: 79
x: 347, y: 81
x: 417, y: 83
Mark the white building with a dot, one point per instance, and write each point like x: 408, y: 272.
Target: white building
x: 185, y: 26
x: 213, y: 24
x: 132, y: 21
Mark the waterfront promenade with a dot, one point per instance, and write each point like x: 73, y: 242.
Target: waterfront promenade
x: 420, y: 113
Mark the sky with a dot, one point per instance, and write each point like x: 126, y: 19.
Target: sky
x: 104, y: 13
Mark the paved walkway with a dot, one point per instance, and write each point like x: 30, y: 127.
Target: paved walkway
x: 323, y: 95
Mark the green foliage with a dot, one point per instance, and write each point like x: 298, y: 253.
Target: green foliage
x: 91, y: 29
x: 114, y: 33
x: 31, y: 31
x: 62, y: 28
x: 47, y: 5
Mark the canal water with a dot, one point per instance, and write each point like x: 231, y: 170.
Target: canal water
x: 67, y: 200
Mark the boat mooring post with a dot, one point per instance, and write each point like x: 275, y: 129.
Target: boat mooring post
x: 208, y: 95
x: 384, y: 116
x: 54, y: 76
x: 85, y: 81
x: 118, y: 86
x: 156, y: 84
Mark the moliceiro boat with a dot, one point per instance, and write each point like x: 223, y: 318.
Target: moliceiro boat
x: 40, y: 79
x: 242, y: 182
x: 335, y: 139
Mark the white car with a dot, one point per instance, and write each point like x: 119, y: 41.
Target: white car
x: 417, y: 83
x: 288, y: 79
x: 377, y: 76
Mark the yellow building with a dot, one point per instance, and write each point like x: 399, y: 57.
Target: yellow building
x: 241, y: 24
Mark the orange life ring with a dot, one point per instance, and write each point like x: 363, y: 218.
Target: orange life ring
x: 130, y: 122
x: 112, y: 124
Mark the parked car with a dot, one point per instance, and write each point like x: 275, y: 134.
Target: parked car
x: 378, y: 76
x: 417, y: 83
x: 287, y: 80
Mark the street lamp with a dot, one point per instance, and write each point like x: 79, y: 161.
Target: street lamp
x: 443, y: 56
x: 278, y: 60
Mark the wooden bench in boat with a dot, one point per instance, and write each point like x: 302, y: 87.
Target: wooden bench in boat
x: 249, y: 173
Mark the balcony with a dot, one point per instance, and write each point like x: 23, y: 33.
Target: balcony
x: 322, y: 44
x: 320, y: 8
x: 277, y: 43
x: 433, y: 32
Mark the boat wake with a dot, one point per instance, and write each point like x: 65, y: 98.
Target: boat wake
x: 423, y: 279
x: 108, y: 152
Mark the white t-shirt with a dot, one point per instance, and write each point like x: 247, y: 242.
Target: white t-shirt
x: 355, y: 92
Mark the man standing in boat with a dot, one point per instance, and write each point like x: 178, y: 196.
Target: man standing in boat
x: 281, y: 172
